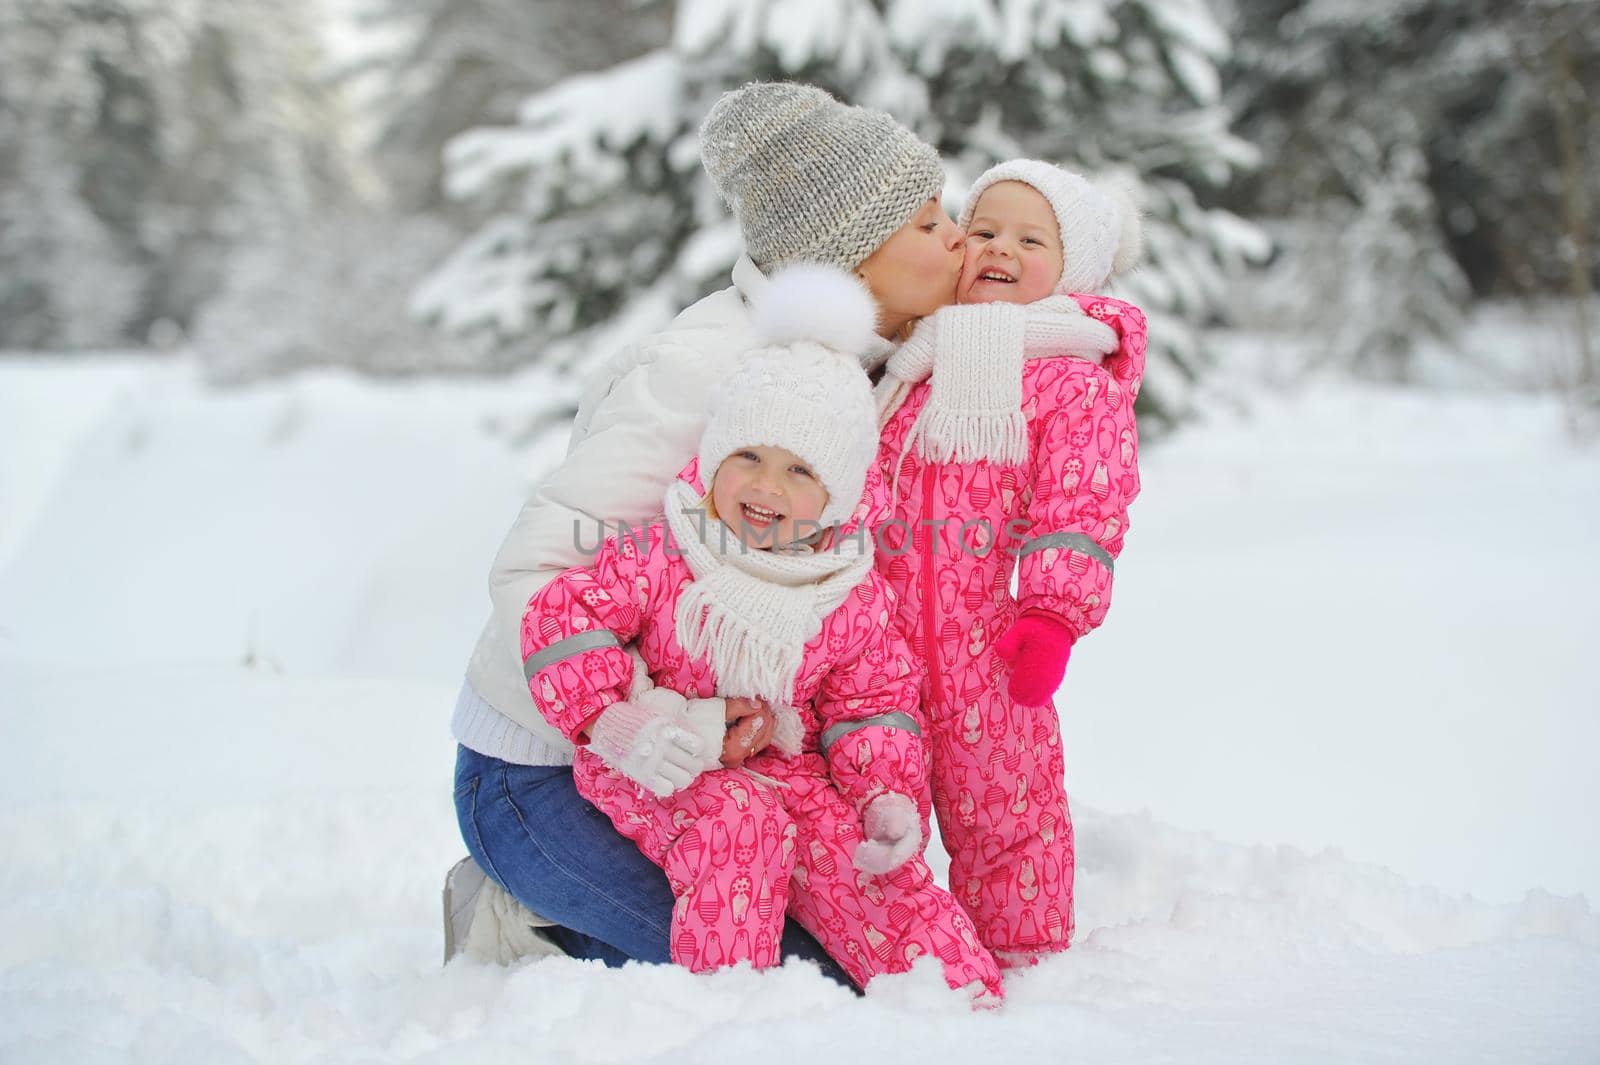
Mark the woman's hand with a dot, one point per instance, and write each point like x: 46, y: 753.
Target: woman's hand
x: 749, y: 730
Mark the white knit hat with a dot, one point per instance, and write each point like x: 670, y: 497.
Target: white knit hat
x: 1099, y: 221
x: 812, y: 179
x: 804, y: 391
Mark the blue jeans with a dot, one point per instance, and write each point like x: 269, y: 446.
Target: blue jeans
x: 532, y: 832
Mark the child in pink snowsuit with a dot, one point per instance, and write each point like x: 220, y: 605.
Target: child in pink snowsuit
x: 1008, y: 435
x: 728, y: 597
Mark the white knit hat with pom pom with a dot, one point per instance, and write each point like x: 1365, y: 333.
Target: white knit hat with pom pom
x: 804, y: 390
x: 1099, y: 221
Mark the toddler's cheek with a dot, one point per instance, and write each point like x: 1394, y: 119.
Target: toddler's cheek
x: 964, y: 282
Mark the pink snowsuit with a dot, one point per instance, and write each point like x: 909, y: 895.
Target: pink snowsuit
x: 740, y: 851
x: 954, y: 528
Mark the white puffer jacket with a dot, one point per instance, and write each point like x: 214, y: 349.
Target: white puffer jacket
x: 638, y: 424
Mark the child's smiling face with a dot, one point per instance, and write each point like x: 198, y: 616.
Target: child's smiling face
x: 762, y: 492
x: 1013, y: 247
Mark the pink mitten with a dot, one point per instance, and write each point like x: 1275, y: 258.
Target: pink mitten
x: 1036, y: 647
x: 893, y: 834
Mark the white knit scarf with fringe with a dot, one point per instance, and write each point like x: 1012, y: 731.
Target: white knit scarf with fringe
x: 975, y: 354
x: 750, y: 613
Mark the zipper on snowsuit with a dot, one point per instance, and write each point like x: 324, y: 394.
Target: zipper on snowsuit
x: 929, y: 629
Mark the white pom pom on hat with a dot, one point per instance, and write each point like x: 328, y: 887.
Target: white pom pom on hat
x: 1101, y: 235
x: 1130, y: 242
x: 804, y: 390
x: 822, y: 304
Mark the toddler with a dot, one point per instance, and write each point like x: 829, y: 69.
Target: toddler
x: 1008, y: 434
x: 746, y: 589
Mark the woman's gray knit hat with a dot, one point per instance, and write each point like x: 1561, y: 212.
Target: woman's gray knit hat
x: 811, y: 179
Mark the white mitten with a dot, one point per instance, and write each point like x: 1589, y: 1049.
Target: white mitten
x: 708, y: 719
x: 788, y: 731
x: 894, y: 834
x: 646, y: 739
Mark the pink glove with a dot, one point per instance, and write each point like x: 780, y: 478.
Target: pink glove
x: 1037, y: 648
x: 893, y: 834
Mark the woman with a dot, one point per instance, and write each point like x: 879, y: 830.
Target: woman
x: 810, y: 180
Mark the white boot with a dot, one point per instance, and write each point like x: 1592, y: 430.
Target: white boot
x: 483, y: 921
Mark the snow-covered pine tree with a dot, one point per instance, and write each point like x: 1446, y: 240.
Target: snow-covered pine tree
x: 331, y: 288
x: 1314, y: 87
x: 1417, y: 148
x: 588, y: 203
x: 438, y: 67
x: 1377, y: 276
x: 597, y: 211
x: 74, y: 123
x: 141, y: 138
x: 63, y: 278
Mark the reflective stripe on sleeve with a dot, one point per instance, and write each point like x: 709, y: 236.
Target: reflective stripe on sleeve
x: 895, y: 719
x: 1083, y: 545
x: 566, y: 648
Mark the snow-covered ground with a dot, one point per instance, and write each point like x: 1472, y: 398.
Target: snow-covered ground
x: 1346, y: 684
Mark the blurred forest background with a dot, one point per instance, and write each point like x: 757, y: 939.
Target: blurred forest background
x: 473, y: 186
